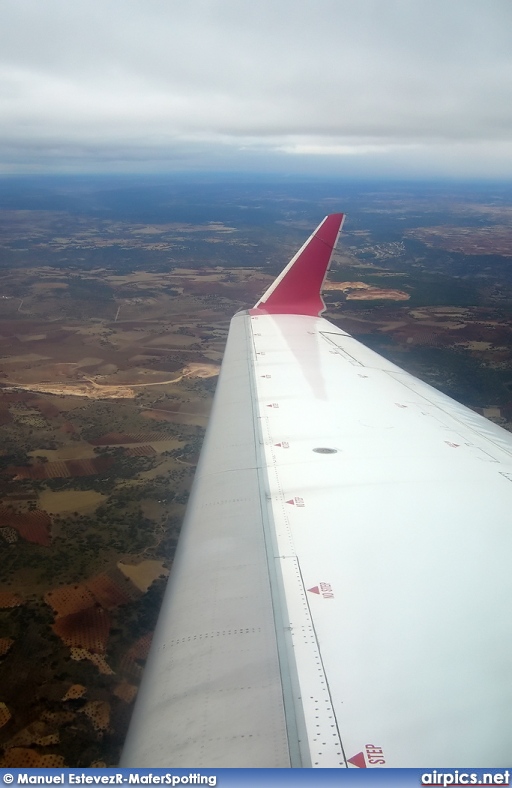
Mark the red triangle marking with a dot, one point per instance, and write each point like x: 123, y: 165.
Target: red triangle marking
x: 270, y: 406
x: 278, y: 444
x: 314, y: 590
x: 358, y: 760
x: 291, y: 501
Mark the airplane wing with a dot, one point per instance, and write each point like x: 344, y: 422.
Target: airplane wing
x: 341, y: 594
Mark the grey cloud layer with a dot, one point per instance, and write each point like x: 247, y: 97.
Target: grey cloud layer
x: 239, y: 82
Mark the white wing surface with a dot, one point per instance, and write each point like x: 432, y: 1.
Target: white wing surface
x: 341, y: 595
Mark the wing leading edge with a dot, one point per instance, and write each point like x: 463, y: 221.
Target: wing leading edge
x: 342, y: 576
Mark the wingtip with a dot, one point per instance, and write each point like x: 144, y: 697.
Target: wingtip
x: 297, y: 290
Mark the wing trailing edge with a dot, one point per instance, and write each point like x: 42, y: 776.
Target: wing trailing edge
x: 297, y: 290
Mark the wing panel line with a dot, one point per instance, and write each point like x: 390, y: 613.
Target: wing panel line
x: 295, y: 722
x: 300, y: 659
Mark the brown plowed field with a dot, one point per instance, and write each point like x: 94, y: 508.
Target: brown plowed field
x: 33, y: 526
x: 126, y: 691
x: 5, y: 645
x: 141, y: 451
x: 107, y: 592
x: 62, y: 469
x: 23, y: 758
x: 81, y: 467
x: 69, y: 599
x: 98, y: 712
x: 102, y: 590
x: 8, y: 599
x: 88, y: 629
x: 131, y: 662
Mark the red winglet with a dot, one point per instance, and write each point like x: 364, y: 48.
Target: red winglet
x: 297, y: 291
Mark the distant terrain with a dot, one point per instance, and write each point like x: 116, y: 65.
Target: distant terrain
x: 115, y: 303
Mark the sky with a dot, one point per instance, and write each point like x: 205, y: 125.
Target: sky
x: 356, y: 88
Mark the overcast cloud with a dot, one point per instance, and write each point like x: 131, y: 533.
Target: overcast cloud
x: 399, y: 87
